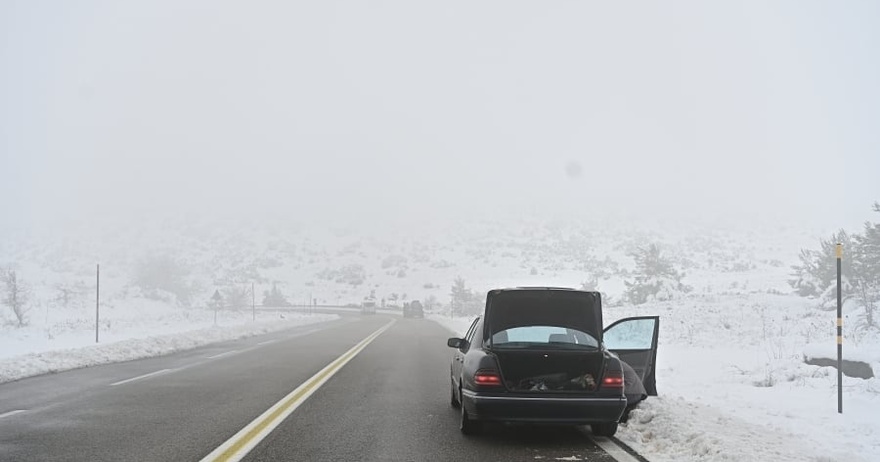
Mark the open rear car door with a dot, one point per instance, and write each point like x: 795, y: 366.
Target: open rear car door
x: 634, y: 341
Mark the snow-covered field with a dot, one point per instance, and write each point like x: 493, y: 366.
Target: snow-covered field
x: 731, y: 377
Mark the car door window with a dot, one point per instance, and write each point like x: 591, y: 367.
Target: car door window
x: 633, y: 334
x: 469, y: 336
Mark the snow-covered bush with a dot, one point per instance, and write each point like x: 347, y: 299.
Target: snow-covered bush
x: 237, y: 296
x: 16, y: 295
x: 654, y: 277
x: 350, y: 274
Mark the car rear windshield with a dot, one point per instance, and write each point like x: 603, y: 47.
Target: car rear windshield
x: 566, y: 309
x: 544, y: 337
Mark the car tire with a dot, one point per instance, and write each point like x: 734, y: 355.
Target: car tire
x: 453, y: 400
x: 467, y: 425
x: 604, y: 429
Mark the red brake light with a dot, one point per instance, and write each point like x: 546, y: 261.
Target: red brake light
x: 487, y: 378
x: 613, y: 379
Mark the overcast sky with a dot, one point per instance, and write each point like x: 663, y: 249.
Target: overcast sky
x: 326, y: 108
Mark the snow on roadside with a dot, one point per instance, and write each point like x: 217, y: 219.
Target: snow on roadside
x: 57, y: 360
x: 679, y: 430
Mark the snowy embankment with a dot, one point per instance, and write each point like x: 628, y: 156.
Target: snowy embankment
x: 742, y: 392
x: 135, y: 340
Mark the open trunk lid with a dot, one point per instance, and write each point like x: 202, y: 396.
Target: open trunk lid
x: 566, y: 308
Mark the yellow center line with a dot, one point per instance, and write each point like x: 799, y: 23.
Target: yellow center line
x: 242, y: 442
x: 288, y: 402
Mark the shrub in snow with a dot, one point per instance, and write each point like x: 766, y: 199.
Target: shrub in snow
x: 354, y: 275
x: 16, y: 295
x: 237, y: 296
x: 393, y: 261
x: 590, y: 284
x: 655, y: 277
x: 70, y: 295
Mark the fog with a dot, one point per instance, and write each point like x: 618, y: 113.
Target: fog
x: 435, y: 110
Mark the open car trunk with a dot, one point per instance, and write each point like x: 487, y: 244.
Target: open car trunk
x: 546, y: 340
x: 535, y: 370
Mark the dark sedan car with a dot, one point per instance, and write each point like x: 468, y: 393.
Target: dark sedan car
x: 540, y: 355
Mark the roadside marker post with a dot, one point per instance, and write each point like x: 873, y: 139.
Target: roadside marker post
x: 839, y: 252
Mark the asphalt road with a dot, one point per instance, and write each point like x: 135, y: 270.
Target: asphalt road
x: 390, y: 402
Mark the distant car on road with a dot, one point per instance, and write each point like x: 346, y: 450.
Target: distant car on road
x: 540, y: 355
x: 369, y: 305
x: 413, y: 310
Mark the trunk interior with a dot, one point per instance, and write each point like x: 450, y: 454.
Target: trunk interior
x: 549, y: 370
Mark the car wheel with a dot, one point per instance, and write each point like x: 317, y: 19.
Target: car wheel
x: 604, y: 429
x: 468, y: 426
x: 453, y: 400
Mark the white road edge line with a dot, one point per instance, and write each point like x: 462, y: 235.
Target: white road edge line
x: 268, y: 342
x: 12, y: 413
x: 613, y: 449
x: 220, y: 355
x: 235, y: 448
x: 151, y: 374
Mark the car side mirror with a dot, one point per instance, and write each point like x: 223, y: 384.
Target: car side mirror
x: 456, y: 343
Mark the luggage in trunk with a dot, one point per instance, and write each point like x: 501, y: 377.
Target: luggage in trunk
x: 549, y: 370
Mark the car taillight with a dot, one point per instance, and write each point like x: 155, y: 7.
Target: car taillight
x: 613, y: 379
x: 487, y: 378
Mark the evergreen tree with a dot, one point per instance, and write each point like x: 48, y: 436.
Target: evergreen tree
x: 464, y: 300
x: 816, y: 275
x: 866, y: 269
x: 274, y: 297
x: 655, y: 277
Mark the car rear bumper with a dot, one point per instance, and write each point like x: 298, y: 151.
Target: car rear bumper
x: 555, y: 410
